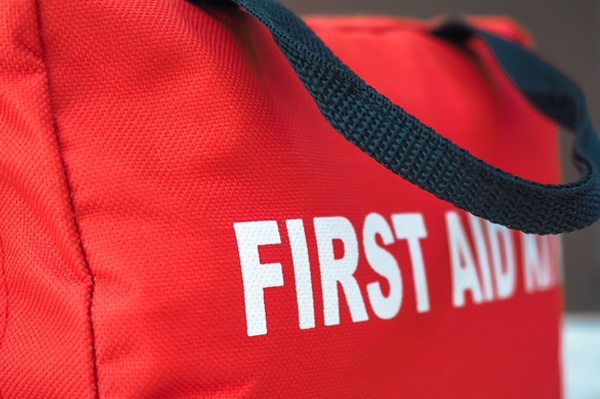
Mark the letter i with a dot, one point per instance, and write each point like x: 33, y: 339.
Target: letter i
x: 304, y: 293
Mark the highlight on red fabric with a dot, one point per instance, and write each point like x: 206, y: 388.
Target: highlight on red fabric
x: 178, y: 219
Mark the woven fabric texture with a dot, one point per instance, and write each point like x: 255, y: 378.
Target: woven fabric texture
x: 413, y: 150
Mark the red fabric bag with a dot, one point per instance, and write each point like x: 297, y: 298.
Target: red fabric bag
x: 179, y: 220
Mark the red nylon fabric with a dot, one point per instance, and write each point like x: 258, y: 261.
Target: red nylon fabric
x: 45, y: 343
x: 136, y: 134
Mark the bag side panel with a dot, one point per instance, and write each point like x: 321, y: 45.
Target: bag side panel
x: 183, y: 122
x: 45, y: 341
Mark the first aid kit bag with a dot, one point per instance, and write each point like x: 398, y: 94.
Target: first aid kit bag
x: 216, y: 199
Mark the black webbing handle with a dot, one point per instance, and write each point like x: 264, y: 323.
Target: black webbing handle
x: 418, y: 154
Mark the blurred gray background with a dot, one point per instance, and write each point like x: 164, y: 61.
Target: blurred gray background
x: 567, y: 33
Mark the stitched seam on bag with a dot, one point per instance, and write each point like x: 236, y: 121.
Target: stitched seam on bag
x: 3, y: 294
x: 71, y: 203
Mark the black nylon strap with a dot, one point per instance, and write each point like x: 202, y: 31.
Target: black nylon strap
x: 418, y: 154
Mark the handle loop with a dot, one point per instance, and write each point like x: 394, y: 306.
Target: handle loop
x: 414, y: 151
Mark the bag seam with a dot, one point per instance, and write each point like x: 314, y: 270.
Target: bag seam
x: 68, y: 187
x: 3, y: 296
